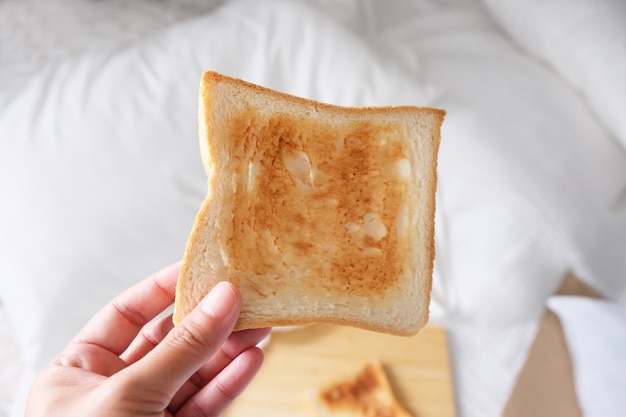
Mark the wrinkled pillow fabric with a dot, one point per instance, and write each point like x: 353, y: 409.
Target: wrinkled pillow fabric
x: 99, y: 165
x: 584, y: 41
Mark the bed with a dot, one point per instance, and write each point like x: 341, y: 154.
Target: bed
x: 100, y: 176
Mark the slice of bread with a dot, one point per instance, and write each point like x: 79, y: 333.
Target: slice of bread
x: 318, y: 213
x: 367, y: 394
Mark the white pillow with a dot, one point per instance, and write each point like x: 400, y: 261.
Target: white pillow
x: 595, y: 332
x: 584, y: 41
x: 528, y: 182
x: 99, y: 166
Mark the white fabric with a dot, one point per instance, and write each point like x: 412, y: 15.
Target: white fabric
x: 102, y: 154
x: 528, y: 182
x: 41, y: 33
x: 585, y: 41
x: 595, y: 333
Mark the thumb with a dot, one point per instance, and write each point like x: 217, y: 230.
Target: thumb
x: 188, y: 345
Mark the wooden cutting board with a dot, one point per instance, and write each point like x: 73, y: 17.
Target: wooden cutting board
x: 300, y: 360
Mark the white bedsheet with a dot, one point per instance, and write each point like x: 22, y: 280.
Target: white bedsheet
x: 35, y: 34
x: 532, y: 182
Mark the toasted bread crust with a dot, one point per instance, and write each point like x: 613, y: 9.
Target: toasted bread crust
x: 210, y: 78
x: 313, y: 210
x: 369, y: 393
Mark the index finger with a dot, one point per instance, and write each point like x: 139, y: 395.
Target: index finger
x: 115, y: 326
x: 187, y: 347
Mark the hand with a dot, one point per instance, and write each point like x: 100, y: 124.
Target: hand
x: 123, y: 363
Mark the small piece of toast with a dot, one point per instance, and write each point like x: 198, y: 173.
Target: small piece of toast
x: 318, y: 213
x: 368, y: 394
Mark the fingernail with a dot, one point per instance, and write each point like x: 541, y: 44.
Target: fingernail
x: 220, y: 301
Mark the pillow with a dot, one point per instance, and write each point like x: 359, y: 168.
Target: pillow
x: 584, y: 41
x: 595, y: 333
x: 528, y: 180
x: 99, y: 164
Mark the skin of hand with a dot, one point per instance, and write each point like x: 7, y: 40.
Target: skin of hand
x: 128, y: 362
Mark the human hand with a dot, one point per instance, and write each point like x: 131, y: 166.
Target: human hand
x: 125, y: 364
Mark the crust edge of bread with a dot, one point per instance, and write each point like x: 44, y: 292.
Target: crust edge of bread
x: 371, y: 376
x: 210, y: 78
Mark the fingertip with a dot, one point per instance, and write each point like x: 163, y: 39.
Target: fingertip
x: 167, y: 277
x: 234, y: 290
x: 174, y: 267
x: 258, y: 355
x: 251, y: 360
x: 245, y: 367
x: 223, y: 300
x: 264, y: 337
x: 266, y: 330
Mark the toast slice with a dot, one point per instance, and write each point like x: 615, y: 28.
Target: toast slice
x: 318, y: 213
x: 367, y: 394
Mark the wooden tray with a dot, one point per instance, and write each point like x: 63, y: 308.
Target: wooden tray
x: 300, y: 360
